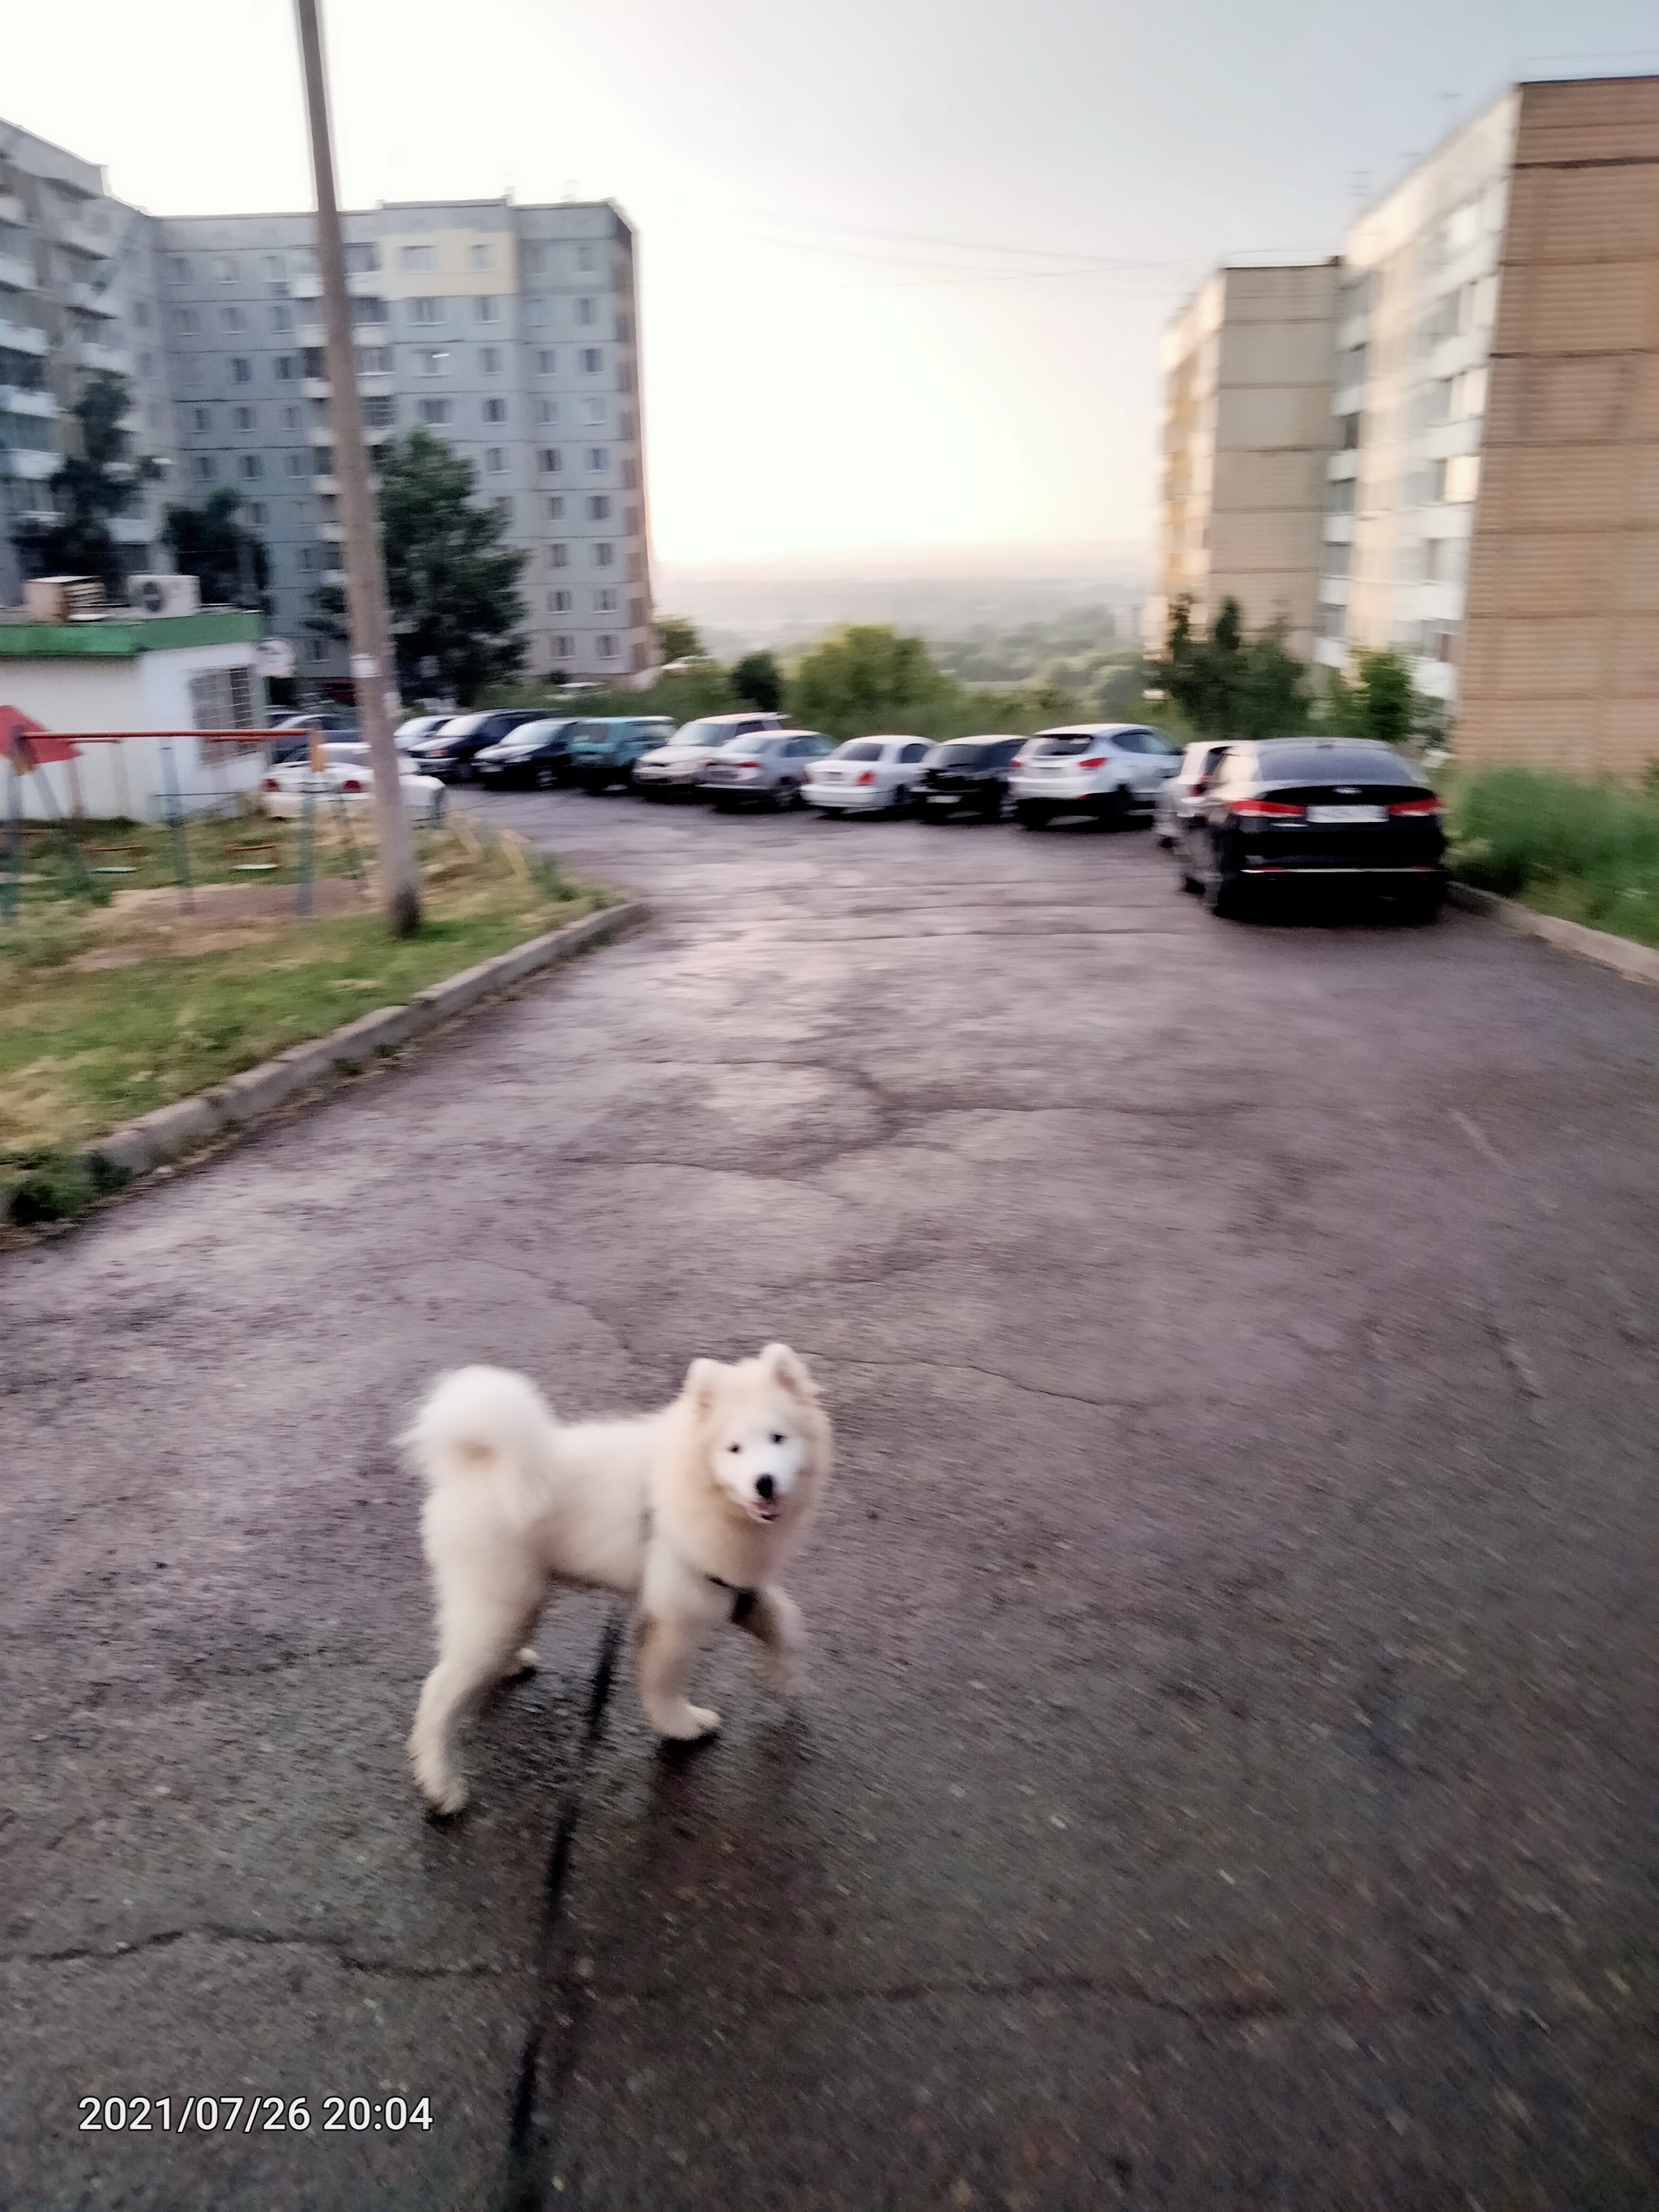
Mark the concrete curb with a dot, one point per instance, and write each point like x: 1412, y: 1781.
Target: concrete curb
x: 171, y: 1130
x: 1638, y: 963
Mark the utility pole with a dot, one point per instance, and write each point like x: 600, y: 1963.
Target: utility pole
x: 374, y: 670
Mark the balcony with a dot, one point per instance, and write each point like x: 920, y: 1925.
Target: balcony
x: 1343, y: 465
x: 115, y: 360
x: 16, y: 402
x: 311, y: 334
x: 1339, y: 530
x: 79, y: 237
x: 361, y: 283
x: 315, y: 387
x: 91, y: 301
x: 23, y: 338
x: 12, y: 209
x: 329, y: 486
x: 332, y: 533
x: 28, y: 465
x: 16, y: 275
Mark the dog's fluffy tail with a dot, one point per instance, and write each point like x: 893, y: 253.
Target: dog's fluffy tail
x: 482, y: 1423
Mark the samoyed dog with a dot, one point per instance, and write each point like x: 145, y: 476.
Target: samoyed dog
x: 694, y: 1511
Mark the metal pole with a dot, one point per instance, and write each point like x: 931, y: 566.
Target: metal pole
x: 372, y: 671
x: 14, y: 878
x: 176, y: 824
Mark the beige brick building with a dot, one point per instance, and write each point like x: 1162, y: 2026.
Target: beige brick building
x: 1248, y: 365
x: 1558, y: 664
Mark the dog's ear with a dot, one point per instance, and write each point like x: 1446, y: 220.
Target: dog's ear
x: 790, y: 1370
x: 701, y: 1380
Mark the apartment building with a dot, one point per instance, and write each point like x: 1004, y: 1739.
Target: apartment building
x: 1491, y: 459
x: 77, y: 295
x: 1247, y: 379
x: 510, y: 332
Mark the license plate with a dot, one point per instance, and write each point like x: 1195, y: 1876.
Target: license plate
x: 1329, y: 817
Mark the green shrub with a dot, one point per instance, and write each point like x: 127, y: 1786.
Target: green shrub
x: 1589, y: 851
x: 54, y: 1186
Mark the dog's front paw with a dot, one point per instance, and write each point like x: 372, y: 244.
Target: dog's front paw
x: 526, y: 1661
x: 446, y: 1798
x: 785, y: 1675
x: 690, y: 1724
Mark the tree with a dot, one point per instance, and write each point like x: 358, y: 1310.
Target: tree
x: 1378, y: 701
x: 677, y: 639
x: 864, y: 679
x: 451, y: 583
x: 209, y: 543
x: 100, y: 480
x: 758, y: 682
x: 1228, y: 685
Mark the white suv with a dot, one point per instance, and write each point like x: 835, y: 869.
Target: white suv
x: 1109, y: 770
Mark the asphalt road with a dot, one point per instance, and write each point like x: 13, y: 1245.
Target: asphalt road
x: 1231, y: 1774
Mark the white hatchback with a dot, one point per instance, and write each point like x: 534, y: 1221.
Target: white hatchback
x: 1111, y: 770
x: 346, y: 778
x: 867, y: 775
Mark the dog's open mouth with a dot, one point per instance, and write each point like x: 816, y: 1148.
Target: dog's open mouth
x: 766, y: 1509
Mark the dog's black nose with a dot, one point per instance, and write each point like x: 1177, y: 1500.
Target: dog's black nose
x: 764, y: 1487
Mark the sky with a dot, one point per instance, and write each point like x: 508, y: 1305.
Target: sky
x: 903, y: 262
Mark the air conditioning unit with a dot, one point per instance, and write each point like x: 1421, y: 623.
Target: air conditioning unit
x: 164, y: 595
x: 61, y: 598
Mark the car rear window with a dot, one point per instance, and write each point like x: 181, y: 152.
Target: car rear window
x: 1332, y: 765
x: 863, y: 749
x: 465, y: 725
x: 961, y: 757
x: 1065, y: 744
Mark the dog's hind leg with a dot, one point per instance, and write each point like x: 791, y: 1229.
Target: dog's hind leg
x: 480, y: 1640
x: 774, y: 1619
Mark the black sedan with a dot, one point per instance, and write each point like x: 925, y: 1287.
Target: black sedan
x: 450, y: 752
x: 536, y: 753
x: 969, y: 775
x: 1317, y: 813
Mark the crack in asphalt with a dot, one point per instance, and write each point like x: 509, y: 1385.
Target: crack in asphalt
x: 994, y: 1375
x: 216, y: 1932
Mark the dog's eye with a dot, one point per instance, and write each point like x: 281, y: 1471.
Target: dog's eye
x: 777, y: 1440
x: 734, y: 1447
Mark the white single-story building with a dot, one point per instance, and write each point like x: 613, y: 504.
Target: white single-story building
x: 131, y: 672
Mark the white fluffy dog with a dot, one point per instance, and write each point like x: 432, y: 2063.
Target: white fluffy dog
x: 693, y: 1510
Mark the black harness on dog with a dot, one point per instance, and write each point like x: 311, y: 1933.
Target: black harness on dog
x: 744, y: 1602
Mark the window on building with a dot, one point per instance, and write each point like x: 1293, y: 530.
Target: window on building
x: 224, y: 270
x: 556, y: 507
x: 1333, y: 559
x: 1339, y: 496
x: 636, y: 613
x: 374, y: 360
x: 630, y: 476
x: 607, y: 645
x: 202, y: 468
x: 558, y: 556
x: 244, y: 418
x: 631, y: 521
x: 495, y: 411
x: 489, y: 360
x: 1331, y: 622
x: 417, y: 256
x: 317, y: 649
x: 591, y: 360
x: 186, y: 319
x: 241, y: 369
x: 592, y: 411
x: 496, y: 460
x: 293, y: 418
x: 586, y: 258
x: 179, y: 268
x: 259, y: 512
x: 432, y: 361
x: 486, y: 307
x: 563, y: 601
x: 201, y: 418
x: 274, y: 266
x: 599, y: 508
x: 502, y: 504
x: 598, y: 459
x: 604, y: 557
x: 481, y: 256
x: 536, y: 314
x: 625, y: 423
x: 232, y: 319
x: 222, y: 699
x: 1347, y: 434
x: 252, y: 466
x: 297, y: 463
x: 564, y: 648
x: 362, y: 258
x: 282, y: 319
x: 550, y: 460
x: 587, y: 311
x: 1462, y: 479
x: 547, y: 410
x: 437, y: 411
x: 368, y: 313
x: 605, y: 602
x: 547, y: 361
x: 379, y: 409
x: 426, y: 311
x: 286, y: 368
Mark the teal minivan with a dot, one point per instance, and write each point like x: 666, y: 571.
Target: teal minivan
x: 603, y: 751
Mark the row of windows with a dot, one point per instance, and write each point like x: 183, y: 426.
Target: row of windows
x: 377, y: 360
x: 607, y: 601
x: 363, y: 258
x: 380, y: 411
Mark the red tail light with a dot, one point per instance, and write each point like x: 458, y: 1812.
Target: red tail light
x: 1099, y: 761
x: 869, y: 776
x: 745, y: 763
x: 270, y: 784
x: 1256, y: 809
x: 351, y: 784
x: 1415, y: 809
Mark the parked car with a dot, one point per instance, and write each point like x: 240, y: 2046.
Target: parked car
x: 417, y: 726
x: 1111, y: 770
x: 290, y: 738
x: 678, y: 765
x: 867, y: 775
x: 969, y: 775
x: 450, y: 752
x: 603, y: 752
x: 1178, y: 795
x: 767, y: 770
x: 1316, y: 812
x: 535, y: 753
x: 347, y: 774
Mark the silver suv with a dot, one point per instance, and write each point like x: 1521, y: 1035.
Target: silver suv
x: 678, y: 765
x: 1111, y: 770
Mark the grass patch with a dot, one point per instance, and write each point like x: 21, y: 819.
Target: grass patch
x: 110, y: 1009
x: 1587, y: 852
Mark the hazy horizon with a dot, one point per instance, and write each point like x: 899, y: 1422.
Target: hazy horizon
x: 903, y: 269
